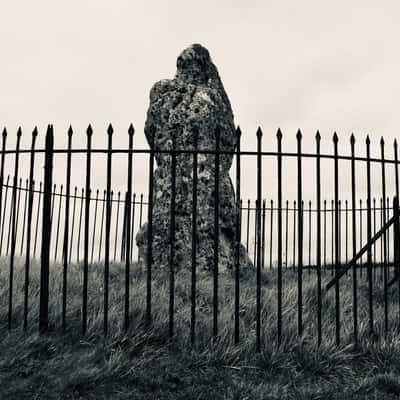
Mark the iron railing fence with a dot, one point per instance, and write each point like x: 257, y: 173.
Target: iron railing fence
x: 319, y: 246
x: 139, y: 205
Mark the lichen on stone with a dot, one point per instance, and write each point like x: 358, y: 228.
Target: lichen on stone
x: 193, y: 103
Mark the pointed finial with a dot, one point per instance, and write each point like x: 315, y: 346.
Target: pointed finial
x: 19, y: 132
x: 368, y: 140
x: 279, y: 134
x: 299, y: 135
x: 49, y: 136
x: 352, y: 138
x: 70, y: 131
x: 395, y: 143
x: 89, y: 130
x: 4, y: 132
x: 35, y: 132
x: 97, y: 192
x: 335, y: 137
x: 318, y: 136
x: 238, y: 131
x: 382, y: 141
x: 110, y: 129
x: 131, y: 130
x: 259, y: 132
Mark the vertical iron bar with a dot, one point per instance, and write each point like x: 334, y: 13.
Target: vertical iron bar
x: 194, y: 240
x: 354, y: 238
x: 294, y: 234
x: 89, y: 133
x: 286, y: 234
x: 318, y: 182
x: 248, y: 225
x: 102, y: 223
x: 140, y: 216
x: 37, y: 217
x: 131, y: 132
x: 66, y: 229
x: 80, y: 226
x: 149, y: 257
x: 385, y: 255
x: 279, y: 159
x: 73, y: 224
x: 116, y: 226
x: 13, y: 211
x: 58, y: 222
x: 4, y: 214
x: 133, y: 223
x: 263, y: 236
x: 309, y: 236
x: 107, y: 232
x: 3, y: 155
x: 337, y: 292
x: 94, y: 224
x: 325, y: 234
x: 172, y: 240
x: 24, y: 220
x: 216, y: 231
x: 46, y: 232
x: 271, y: 234
x: 300, y: 237
x: 369, y: 237
x: 396, y: 210
x: 29, y: 226
x: 258, y: 214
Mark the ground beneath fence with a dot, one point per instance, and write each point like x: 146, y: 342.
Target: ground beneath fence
x: 141, y: 367
x: 145, y: 363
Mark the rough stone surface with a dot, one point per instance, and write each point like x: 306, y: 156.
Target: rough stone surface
x: 195, y: 100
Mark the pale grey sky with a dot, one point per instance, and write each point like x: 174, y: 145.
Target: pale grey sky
x: 289, y: 64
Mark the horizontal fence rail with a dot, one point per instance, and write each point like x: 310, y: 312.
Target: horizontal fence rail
x: 318, y: 235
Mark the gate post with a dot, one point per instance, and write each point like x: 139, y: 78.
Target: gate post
x: 46, y: 232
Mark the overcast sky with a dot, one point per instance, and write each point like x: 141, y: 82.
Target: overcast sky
x: 289, y: 64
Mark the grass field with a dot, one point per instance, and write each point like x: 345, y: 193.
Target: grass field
x: 146, y: 364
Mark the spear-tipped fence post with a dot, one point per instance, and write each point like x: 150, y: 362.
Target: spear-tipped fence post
x: 46, y: 232
x: 385, y: 258
x: 258, y: 214
x: 318, y: 242
x: 337, y: 262
x: 300, y: 237
x: 13, y: 226
x: 354, y: 238
x: 110, y: 132
x: 280, y: 238
x: 369, y: 236
x: 66, y: 229
x: 29, y: 226
x: 216, y: 231
x: 131, y: 132
x: 194, y: 242
x: 89, y: 133
x: 171, y: 260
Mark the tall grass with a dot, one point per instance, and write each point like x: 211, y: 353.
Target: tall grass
x: 296, y: 365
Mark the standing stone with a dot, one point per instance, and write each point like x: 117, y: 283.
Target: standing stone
x: 193, y: 102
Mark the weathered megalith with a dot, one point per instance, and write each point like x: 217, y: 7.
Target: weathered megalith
x: 194, y: 101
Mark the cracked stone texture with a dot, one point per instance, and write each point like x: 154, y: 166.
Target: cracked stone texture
x: 194, y: 101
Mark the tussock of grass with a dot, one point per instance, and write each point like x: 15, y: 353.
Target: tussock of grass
x: 144, y: 363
